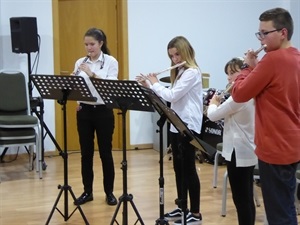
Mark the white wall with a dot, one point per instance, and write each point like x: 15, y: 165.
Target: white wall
x: 295, y: 11
x: 218, y: 31
x: 42, y: 10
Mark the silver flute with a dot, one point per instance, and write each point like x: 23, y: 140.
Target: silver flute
x: 165, y: 70
x: 257, y: 51
x: 260, y: 49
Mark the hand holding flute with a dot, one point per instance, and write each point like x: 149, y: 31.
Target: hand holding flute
x: 147, y: 80
x: 251, y: 56
x: 76, y: 73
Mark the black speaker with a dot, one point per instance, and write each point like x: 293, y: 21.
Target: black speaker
x: 24, y: 36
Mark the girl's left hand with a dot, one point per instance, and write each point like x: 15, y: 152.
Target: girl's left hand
x: 215, y: 100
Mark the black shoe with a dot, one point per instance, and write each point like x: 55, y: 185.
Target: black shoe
x: 111, y: 199
x: 85, y: 197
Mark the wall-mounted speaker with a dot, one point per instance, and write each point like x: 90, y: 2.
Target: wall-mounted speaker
x: 24, y: 36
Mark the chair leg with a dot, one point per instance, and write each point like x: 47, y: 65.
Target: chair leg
x: 37, y: 159
x: 224, y: 195
x: 40, y: 162
x: 39, y: 153
x: 31, y: 153
x: 297, y: 203
x: 215, y: 178
x: 266, y: 220
x: 256, y: 197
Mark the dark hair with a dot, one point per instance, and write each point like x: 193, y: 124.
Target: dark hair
x: 99, y: 35
x: 281, y: 18
x: 234, y: 64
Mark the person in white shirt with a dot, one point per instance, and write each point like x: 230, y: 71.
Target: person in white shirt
x: 94, y: 117
x: 185, y: 96
x: 238, y: 145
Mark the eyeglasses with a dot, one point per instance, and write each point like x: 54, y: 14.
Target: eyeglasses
x: 262, y: 35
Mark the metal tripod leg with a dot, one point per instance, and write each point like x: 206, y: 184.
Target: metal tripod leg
x: 38, y: 102
x: 124, y: 199
x: 65, y: 189
x: 161, y: 220
x: 3, y: 154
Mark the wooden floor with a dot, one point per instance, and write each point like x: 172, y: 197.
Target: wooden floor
x: 26, y: 199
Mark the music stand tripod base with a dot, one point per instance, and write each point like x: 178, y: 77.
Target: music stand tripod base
x: 123, y: 95
x: 181, y: 127
x: 63, y: 88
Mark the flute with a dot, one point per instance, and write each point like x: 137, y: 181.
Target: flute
x: 84, y: 60
x: 260, y: 49
x: 229, y: 87
x: 223, y: 93
x: 165, y: 70
x: 172, y: 67
x: 256, y: 52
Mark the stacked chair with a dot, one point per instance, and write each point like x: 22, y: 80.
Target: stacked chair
x: 17, y: 126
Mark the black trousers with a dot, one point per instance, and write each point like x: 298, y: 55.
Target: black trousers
x: 99, y: 119
x: 241, y: 183
x: 187, y: 181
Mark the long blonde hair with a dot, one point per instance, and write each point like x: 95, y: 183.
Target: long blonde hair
x: 186, y: 51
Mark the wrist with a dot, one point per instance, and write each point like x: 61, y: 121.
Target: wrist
x: 93, y: 75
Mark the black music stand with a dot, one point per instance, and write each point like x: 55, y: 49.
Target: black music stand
x: 123, y: 95
x: 63, y: 88
x: 173, y: 118
x: 155, y: 100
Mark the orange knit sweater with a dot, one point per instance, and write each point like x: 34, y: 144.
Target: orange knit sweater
x: 275, y: 85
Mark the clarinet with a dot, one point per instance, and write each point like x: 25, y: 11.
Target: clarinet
x: 78, y: 69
